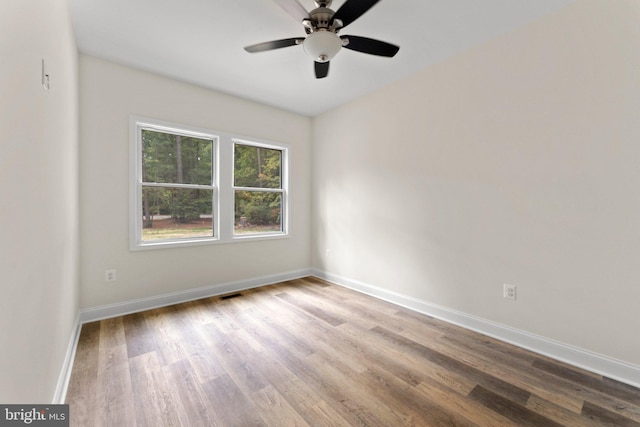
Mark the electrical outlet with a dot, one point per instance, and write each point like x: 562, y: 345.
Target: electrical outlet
x: 509, y: 292
x: 109, y: 275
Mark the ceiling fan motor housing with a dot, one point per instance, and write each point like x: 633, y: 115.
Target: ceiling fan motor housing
x: 321, y: 19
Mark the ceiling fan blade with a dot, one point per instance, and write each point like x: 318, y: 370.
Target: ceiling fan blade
x: 322, y: 69
x: 352, y: 10
x: 275, y: 44
x: 370, y: 46
x: 294, y: 8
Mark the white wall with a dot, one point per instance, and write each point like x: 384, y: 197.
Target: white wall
x: 39, y: 193
x: 109, y: 94
x: 516, y: 162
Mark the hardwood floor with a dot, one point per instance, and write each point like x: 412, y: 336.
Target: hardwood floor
x: 307, y: 353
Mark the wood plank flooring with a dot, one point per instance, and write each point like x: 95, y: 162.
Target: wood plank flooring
x: 308, y: 353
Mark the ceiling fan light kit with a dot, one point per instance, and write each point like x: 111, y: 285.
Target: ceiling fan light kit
x: 322, y: 46
x: 322, y: 25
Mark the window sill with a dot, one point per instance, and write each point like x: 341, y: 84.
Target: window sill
x: 146, y: 246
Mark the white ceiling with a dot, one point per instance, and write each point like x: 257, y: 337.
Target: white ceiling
x: 201, y: 42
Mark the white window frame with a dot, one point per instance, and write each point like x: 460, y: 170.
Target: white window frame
x: 283, y: 190
x: 223, y: 209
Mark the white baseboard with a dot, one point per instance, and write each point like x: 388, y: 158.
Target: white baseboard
x: 603, y: 365
x: 142, y: 304
x: 65, y: 373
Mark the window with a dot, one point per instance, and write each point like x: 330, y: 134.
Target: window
x: 258, y: 191
x: 175, y: 189
x: 192, y: 186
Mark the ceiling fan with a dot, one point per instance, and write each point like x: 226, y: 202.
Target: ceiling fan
x: 322, y: 25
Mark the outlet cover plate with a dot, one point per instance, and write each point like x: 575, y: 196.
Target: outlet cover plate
x: 510, y: 292
x: 109, y: 275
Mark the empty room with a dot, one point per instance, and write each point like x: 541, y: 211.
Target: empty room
x: 329, y: 213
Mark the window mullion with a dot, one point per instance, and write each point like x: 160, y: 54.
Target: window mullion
x: 225, y: 188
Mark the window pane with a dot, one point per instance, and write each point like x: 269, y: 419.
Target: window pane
x: 168, y: 158
x: 176, y: 213
x: 256, y: 167
x: 257, y: 212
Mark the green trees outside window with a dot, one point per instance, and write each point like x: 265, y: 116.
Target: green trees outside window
x: 177, y: 186
x: 258, y: 193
